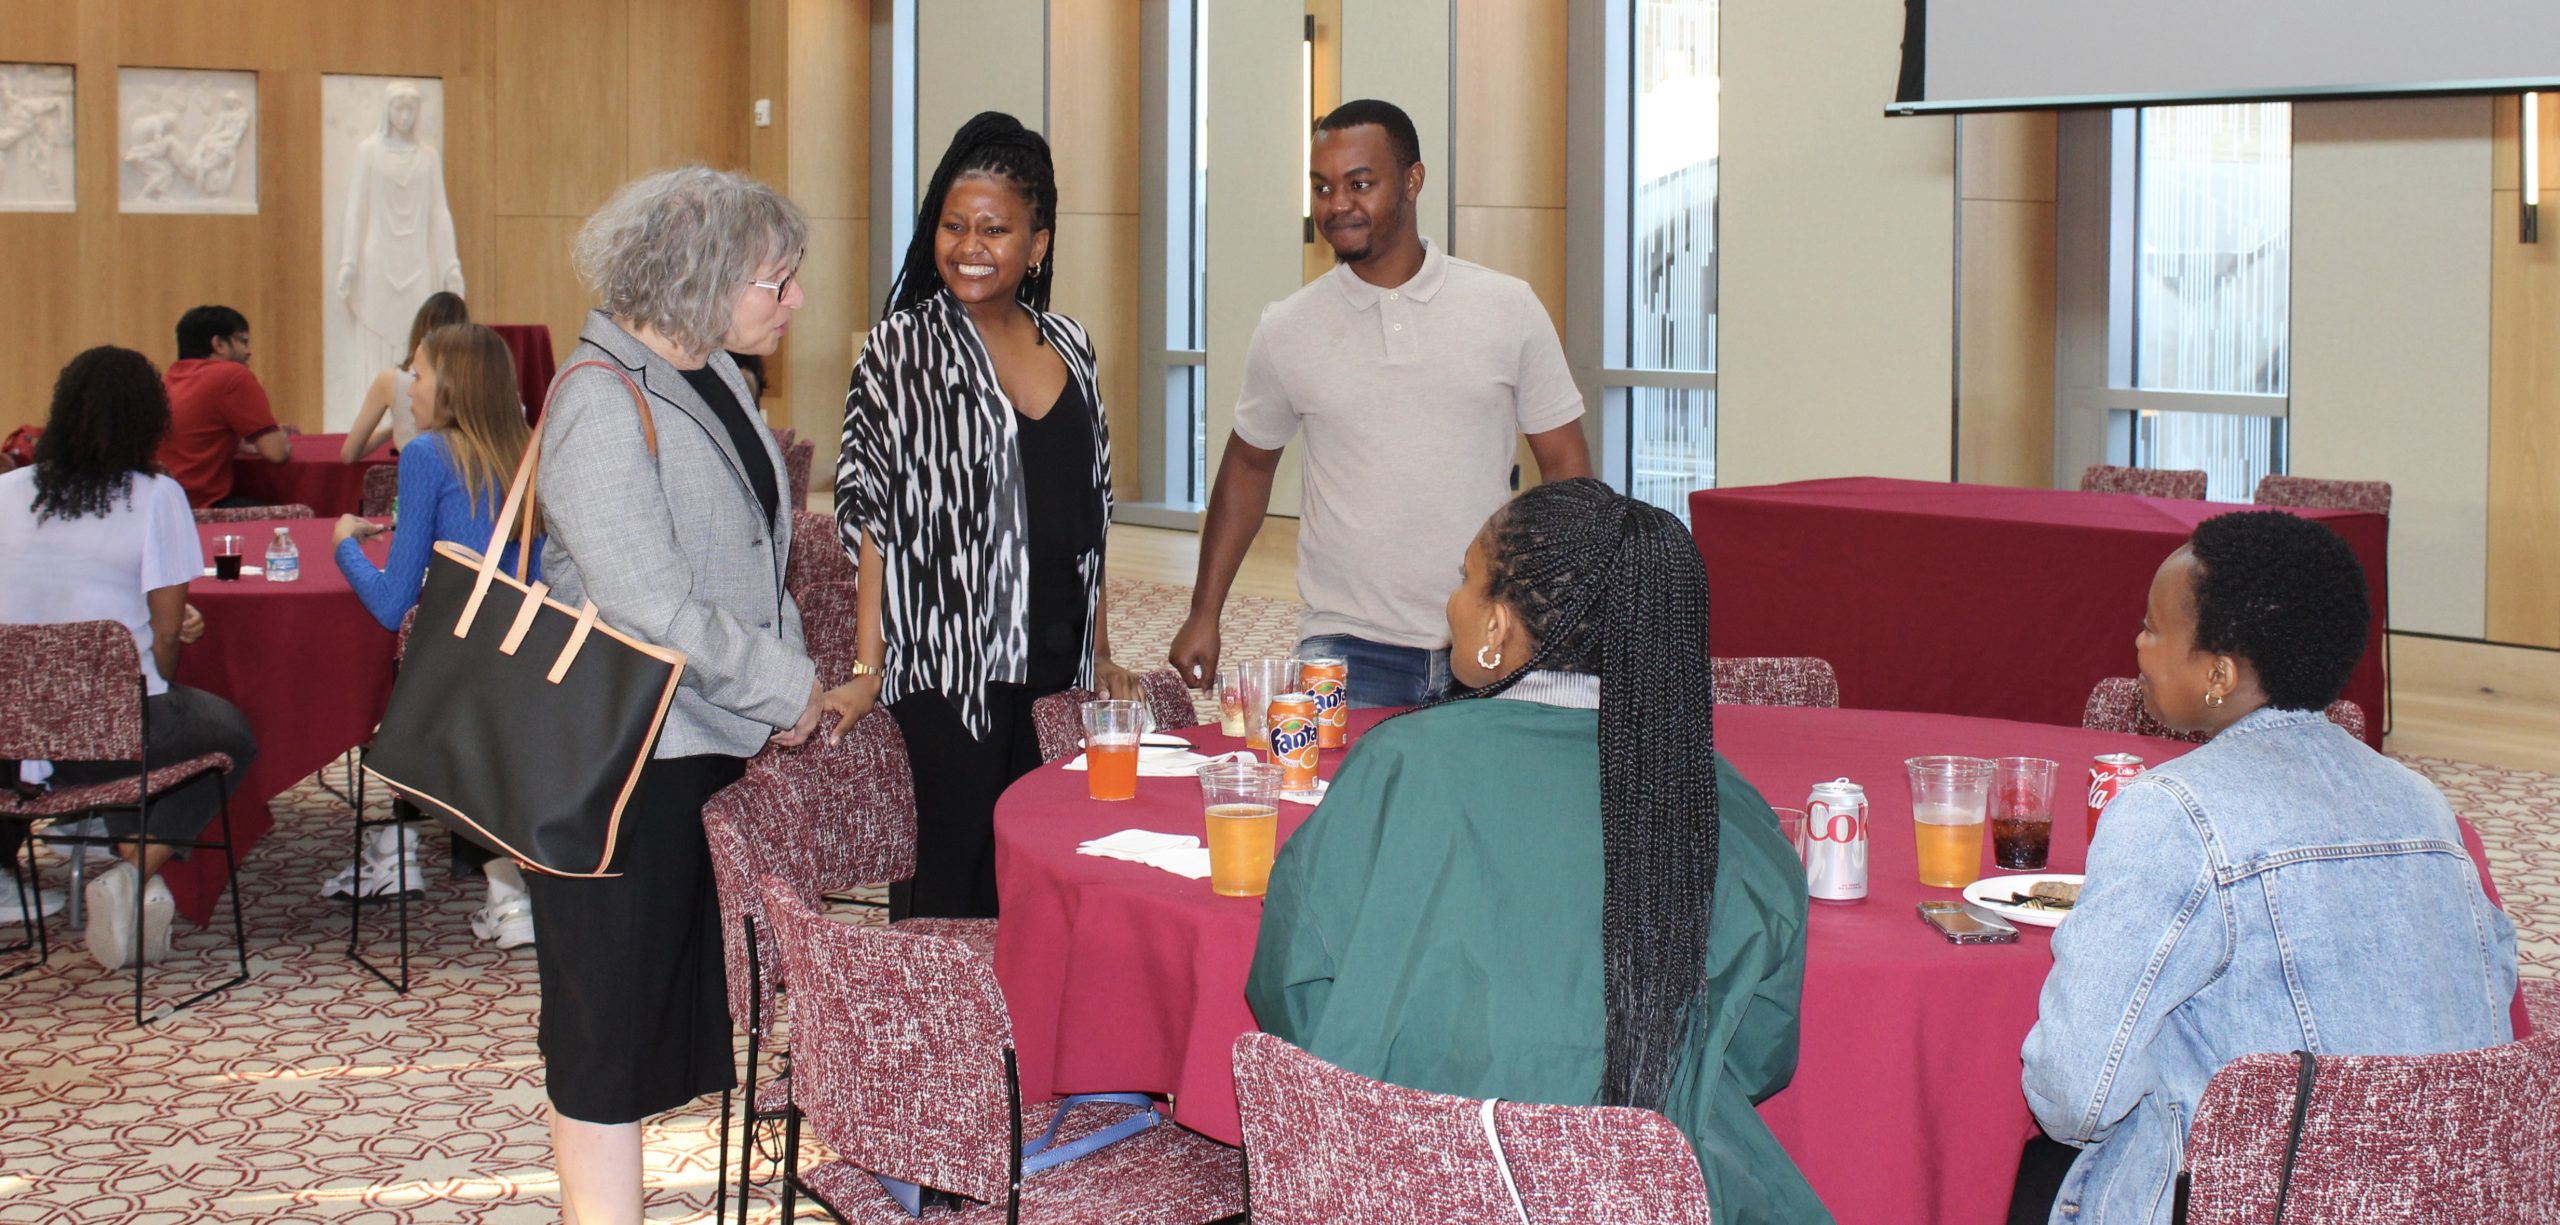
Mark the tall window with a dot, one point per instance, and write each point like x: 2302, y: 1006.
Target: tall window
x: 2212, y: 263
x: 1659, y: 383
x: 1173, y: 389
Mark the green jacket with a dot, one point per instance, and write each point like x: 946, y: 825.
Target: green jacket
x: 1436, y: 924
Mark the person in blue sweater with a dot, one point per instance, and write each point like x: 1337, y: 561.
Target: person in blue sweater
x: 453, y: 479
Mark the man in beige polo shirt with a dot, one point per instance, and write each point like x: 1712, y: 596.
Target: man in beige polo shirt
x: 1412, y: 374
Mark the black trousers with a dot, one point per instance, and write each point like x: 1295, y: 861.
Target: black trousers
x: 958, y: 778
x: 184, y: 723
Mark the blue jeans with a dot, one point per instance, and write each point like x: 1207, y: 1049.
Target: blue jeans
x: 1382, y: 675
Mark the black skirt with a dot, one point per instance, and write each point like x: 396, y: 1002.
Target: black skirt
x: 635, y: 1009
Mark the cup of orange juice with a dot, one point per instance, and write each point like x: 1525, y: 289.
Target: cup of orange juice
x: 1112, y: 729
x: 1949, y: 798
x: 1241, y: 803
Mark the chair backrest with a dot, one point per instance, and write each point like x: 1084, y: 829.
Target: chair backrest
x: 400, y: 641
x: 899, y: 1045
x: 381, y: 489
x: 828, y: 629
x: 1776, y: 680
x: 797, y: 456
x: 1322, y: 1145
x: 739, y: 822
x: 2115, y: 705
x: 817, y: 554
x: 2187, y: 483
x: 2469, y: 1136
x: 70, y: 691
x: 850, y: 807
x: 255, y: 514
x: 1058, y: 719
x: 2277, y: 489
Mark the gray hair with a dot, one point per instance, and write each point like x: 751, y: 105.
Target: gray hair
x: 672, y: 251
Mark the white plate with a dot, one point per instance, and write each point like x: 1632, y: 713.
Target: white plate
x: 1991, y: 893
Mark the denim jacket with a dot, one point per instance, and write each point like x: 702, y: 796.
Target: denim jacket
x: 2281, y: 888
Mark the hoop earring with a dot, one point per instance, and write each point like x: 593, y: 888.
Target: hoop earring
x: 1488, y: 664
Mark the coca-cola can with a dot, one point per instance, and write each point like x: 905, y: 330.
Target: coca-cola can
x: 2108, y: 773
x: 1835, y: 849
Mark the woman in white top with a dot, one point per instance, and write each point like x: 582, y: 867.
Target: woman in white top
x: 93, y: 532
x: 385, y: 413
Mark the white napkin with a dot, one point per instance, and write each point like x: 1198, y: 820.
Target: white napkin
x: 1180, y: 854
x: 1160, y: 763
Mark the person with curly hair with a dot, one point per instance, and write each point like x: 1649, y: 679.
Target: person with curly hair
x: 1662, y: 962
x: 95, y: 532
x: 2282, y: 888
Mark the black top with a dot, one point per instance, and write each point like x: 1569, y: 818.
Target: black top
x: 744, y: 433
x: 1064, y: 514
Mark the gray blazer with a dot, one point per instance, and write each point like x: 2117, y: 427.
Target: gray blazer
x: 676, y: 550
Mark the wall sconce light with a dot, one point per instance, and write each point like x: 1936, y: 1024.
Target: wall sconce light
x: 2529, y: 136
x: 1307, y: 131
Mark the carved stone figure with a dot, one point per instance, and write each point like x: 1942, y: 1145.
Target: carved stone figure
x: 36, y: 148
x: 190, y: 141
x: 397, y: 238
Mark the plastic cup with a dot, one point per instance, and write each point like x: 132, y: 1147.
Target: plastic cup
x: 1112, y: 730
x: 1240, y: 801
x: 1792, y: 827
x: 1231, y: 721
x: 1949, y: 796
x: 1263, y: 678
x: 2022, y: 811
x: 226, y: 559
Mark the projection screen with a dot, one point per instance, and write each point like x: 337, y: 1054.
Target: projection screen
x: 1987, y: 55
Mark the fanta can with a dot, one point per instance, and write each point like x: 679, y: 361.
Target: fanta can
x: 1293, y: 740
x: 1328, y: 681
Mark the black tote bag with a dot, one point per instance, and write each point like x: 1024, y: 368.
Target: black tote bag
x: 517, y: 721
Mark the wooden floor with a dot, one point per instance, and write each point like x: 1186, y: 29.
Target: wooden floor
x: 2494, y: 705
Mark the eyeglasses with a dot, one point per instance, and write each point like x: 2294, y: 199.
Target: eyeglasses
x: 780, y: 287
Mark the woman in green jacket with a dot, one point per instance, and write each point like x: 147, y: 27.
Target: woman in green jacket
x: 1561, y: 894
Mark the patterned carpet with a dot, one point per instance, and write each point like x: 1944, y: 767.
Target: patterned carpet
x: 312, y: 1093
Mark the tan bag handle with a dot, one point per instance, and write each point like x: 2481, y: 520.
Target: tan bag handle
x: 522, y: 487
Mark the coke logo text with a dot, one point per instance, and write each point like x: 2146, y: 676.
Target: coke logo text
x: 1827, y: 824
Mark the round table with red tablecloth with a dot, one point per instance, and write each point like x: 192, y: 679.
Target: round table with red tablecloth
x: 311, y: 477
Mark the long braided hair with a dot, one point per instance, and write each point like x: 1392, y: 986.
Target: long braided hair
x: 992, y: 143
x: 1610, y: 585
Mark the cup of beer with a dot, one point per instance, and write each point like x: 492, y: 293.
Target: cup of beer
x: 226, y: 559
x: 1111, y: 732
x: 2022, y: 811
x: 1949, y: 797
x: 1265, y: 679
x: 1241, y: 802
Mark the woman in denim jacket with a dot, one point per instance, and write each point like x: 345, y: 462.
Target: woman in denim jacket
x: 2281, y: 888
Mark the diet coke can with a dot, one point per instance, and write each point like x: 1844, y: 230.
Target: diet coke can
x: 1835, y: 849
x: 2108, y: 773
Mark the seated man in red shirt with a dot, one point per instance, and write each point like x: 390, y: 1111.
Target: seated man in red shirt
x: 215, y: 405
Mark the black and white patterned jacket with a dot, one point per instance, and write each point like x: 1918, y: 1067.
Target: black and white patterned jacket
x: 929, y: 468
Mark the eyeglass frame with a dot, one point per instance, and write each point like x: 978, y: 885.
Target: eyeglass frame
x: 778, y: 287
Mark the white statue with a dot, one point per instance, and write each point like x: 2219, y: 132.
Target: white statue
x: 35, y: 136
x: 190, y: 141
x: 398, y: 235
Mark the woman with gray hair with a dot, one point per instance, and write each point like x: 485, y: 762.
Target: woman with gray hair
x: 684, y: 548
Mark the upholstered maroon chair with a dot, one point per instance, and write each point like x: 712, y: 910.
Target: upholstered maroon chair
x: 2470, y: 1136
x: 74, y: 691
x: 903, y: 1053
x: 827, y: 629
x: 2186, y: 483
x: 381, y: 490
x: 2277, y: 489
x: 1058, y: 719
x: 1776, y: 680
x: 2116, y: 706
x: 255, y: 514
x: 798, y: 454
x: 817, y: 553
x: 1324, y: 1145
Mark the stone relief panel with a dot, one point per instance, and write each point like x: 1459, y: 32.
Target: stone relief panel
x: 187, y: 140
x: 35, y: 139
x: 386, y: 236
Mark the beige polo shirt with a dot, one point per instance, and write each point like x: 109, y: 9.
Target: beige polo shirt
x: 1412, y: 400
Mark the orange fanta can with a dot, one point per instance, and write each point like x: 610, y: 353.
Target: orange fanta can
x: 1293, y: 740
x: 1328, y: 681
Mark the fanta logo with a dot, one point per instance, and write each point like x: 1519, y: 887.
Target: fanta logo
x: 1292, y: 737
x: 1327, y: 693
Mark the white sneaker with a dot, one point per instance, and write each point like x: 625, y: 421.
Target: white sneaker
x: 389, y: 865
x: 110, y: 935
x: 507, y: 924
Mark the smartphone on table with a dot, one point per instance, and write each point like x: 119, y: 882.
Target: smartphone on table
x: 1964, y: 924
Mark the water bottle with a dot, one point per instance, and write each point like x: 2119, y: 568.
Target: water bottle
x: 284, y: 562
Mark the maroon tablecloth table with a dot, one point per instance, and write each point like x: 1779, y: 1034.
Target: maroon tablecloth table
x: 1966, y: 599
x: 313, y: 477
x: 1905, y: 1106
x: 303, y: 660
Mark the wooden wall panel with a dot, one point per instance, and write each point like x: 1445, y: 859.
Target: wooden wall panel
x: 2507, y: 169
x: 529, y: 278
x: 1095, y: 250
x: 688, y: 89
x: 826, y: 108
x: 1094, y: 93
x: 1526, y: 242
x: 41, y: 249
x: 564, y: 144
x: 2524, y: 421
x: 2004, y: 372
x: 1509, y: 130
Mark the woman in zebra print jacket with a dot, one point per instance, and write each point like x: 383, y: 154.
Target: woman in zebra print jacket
x: 973, y: 492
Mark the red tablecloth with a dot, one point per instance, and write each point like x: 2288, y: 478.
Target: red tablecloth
x: 1965, y: 599
x: 530, y: 345
x: 303, y: 660
x: 1905, y: 1105
x: 313, y: 477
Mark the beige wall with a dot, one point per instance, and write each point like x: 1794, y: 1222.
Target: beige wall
x: 1399, y: 51
x: 2390, y: 311
x: 1255, y: 257
x: 812, y: 58
x: 972, y: 56
x: 1837, y: 229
